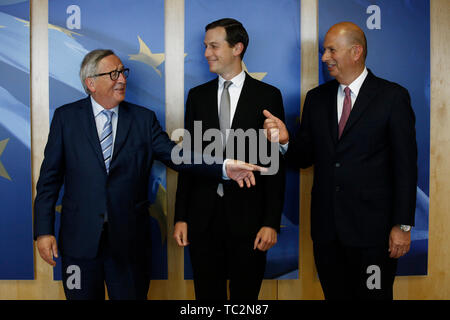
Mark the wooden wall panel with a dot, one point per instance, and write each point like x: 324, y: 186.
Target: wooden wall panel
x: 434, y: 286
x: 307, y: 286
x: 176, y: 287
x: 43, y: 287
x: 437, y: 284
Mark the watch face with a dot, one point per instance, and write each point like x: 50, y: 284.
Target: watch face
x: 405, y: 228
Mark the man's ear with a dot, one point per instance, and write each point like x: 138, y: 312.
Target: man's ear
x: 357, y: 51
x: 90, y: 83
x: 238, y: 48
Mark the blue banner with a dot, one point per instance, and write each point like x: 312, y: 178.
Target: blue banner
x: 398, y: 36
x: 134, y: 30
x: 273, y: 56
x: 16, y: 234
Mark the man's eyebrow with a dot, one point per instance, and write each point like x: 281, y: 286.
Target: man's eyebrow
x: 211, y: 42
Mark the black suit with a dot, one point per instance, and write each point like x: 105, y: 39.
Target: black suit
x: 73, y: 157
x: 364, y: 182
x: 222, y: 230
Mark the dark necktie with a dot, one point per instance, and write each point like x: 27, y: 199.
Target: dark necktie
x: 345, y: 110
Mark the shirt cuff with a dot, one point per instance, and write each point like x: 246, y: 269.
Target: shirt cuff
x: 224, y: 170
x: 284, y: 148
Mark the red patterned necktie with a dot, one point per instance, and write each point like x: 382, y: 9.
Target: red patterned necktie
x: 345, y: 110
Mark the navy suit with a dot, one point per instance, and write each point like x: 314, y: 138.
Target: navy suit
x: 73, y: 157
x: 364, y: 182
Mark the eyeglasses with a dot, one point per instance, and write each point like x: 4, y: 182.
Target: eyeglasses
x: 114, y: 75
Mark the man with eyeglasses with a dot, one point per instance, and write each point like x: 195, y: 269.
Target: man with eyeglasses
x: 102, y: 149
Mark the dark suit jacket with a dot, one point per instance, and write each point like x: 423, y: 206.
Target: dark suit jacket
x: 73, y: 156
x: 247, y: 209
x: 365, y: 182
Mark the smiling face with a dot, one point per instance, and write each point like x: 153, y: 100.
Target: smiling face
x: 106, y: 92
x: 222, y: 59
x: 343, y: 57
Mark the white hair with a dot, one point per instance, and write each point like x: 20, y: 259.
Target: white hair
x: 90, y: 63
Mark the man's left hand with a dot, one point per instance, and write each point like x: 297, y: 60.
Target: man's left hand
x: 399, y: 242
x: 265, y: 239
x: 242, y: 172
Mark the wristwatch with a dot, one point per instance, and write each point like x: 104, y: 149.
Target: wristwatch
x: 405, y: 228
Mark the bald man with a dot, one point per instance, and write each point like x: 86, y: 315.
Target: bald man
x: 358, y: 132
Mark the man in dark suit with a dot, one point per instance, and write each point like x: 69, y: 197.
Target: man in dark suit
x: 102, y: 149
x: 358, y: 132
x: 229, y: 230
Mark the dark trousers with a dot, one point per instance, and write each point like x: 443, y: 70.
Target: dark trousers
x: 351, y: 273
x: 84, y: 279
x: 217, y: 256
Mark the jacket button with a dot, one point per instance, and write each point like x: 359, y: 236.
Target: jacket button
x: 337, y: 165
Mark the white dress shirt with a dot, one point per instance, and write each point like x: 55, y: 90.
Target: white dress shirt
x: 100, y: 120
x: 355, y: 86
x: 235, y: 92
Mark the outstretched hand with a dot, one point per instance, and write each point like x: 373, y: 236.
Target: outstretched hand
x: 242, y: 172
x: 276, y: 129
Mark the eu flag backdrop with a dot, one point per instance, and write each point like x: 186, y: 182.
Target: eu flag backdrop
x: 273, y: 56
x: 134, y: 30
x: 16, y: 239
x: 398, y: 36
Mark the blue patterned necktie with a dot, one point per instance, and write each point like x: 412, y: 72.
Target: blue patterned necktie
x: 106, y: 139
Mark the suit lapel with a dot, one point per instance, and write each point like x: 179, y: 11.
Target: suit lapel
x: 90, y: 128
x: 365, y: 95
x: 332, y: 111
x: 212, y: 107
x: 124, y: 121
x: 243, y: 103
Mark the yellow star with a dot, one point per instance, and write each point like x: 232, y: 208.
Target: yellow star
x: 25, y: 22
x: 3, y: 172
x: 51, y: 26
x: 146, y: 56
x: 63, y: 30
x: 256, y: 75
x: 158, y: 211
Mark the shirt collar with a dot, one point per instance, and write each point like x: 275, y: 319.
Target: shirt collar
x: 356, y: 85
x: 238, y: 80
x: 97, y: 108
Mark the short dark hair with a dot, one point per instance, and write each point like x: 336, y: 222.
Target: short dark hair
x: 235, y: 32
